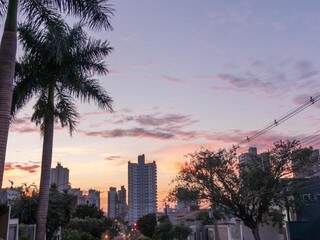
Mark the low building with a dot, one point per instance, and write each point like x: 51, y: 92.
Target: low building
x: 8, y: 195
x: 92, y: 197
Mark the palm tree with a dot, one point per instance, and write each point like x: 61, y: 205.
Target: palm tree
x: 56, y: 69
x: 94, y: 13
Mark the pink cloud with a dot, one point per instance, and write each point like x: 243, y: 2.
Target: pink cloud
x: 246, y: 83
x: 26, y: 167
x: 133, y: 132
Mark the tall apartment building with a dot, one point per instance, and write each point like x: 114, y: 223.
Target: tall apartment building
x: 59, y: 176
x: 142, y: 188
x: 117, y: 203
x: 112, y: 203
x: 122, y: 203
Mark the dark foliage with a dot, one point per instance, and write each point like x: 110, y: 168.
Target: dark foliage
x: 87, y: 211
x: 147, y: 224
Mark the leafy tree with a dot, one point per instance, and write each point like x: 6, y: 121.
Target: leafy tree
x: 57, y: 68
x: 189, y: 197
x: 147, y: 224
x: 90, y: 211
x: 25, y: 208
x: 93, y: 226
x: 164, y: 230
x: 61, y: 205
x: 181, y: 232
x: 77, y: 235
x: 94, y: 13
x: 253, y: 193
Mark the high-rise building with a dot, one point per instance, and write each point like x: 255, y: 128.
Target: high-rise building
x: 112, y: 203
x: 122, y: 203
x: 117, y: 203
x: 59, y: 176
x: 142, y: 188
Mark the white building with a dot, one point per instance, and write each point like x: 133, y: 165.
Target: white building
x: 59, y: 176
x: 142, y: 188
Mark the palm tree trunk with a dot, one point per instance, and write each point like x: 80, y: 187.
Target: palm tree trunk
x: 45, y: 169
x: 8, y: 50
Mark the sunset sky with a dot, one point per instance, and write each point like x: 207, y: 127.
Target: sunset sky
x: 185, y: 74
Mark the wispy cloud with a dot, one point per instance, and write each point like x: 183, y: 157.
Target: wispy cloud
x: 132, y: 132
x: 26, y: 167
x: 24, y: 125
x: 305, y: 69
x: 112, y: 158
x: 155, y: 125
x: 157, y: 119
x: 271, y: 79
x: 246, y: 83
x: 172, y: 79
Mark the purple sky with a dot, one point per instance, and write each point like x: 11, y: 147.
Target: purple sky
x: 186, y: 74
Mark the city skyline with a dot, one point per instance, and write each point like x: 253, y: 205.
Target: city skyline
x: 217, y: 73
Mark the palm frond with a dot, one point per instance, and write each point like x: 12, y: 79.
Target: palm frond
x: 3, y: 7
x: 24, y: 89
x: 77, y: 36
x: 95, y: 50
x: 31, y: 37
x: 89, y: 57
x: 88, y: 90
x: 39, y: 12
x: 94, y: 13
x: 65, y: 111
x: 41, y: 110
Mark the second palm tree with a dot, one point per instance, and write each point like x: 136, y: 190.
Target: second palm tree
x: 57, y: 68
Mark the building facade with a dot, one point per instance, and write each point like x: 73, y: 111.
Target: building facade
x: 112, y: 203
x: 92, y: 197
x: 59, y: 176
x: 142, y: 188
x: 117, y: 203
x: 122, y: 203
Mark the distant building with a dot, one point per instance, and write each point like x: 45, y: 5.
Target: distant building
x: 9, y: 195
x: 313, y: 169
x: 91, y: 198
x: 112, y: 202
x: 248, y: 157
x: 59, y: 176
x: 117, y: 203
x: 142, y: 188
x: 253, y: 159
x: 122, y: 203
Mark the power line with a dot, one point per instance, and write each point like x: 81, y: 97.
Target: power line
x: 282, y: 119
x: 311, y: 138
